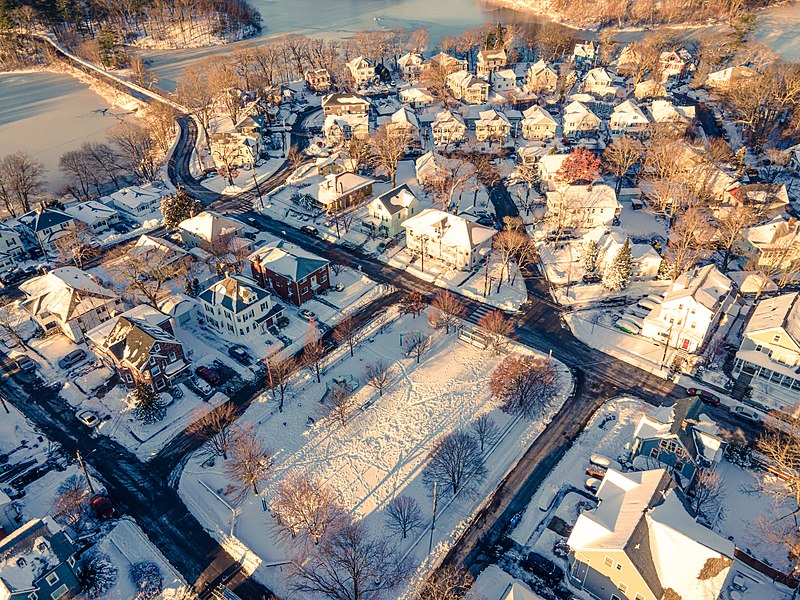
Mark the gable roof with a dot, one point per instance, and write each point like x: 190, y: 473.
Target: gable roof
x: 780, y: 312
x: 31, y: 552
x: 90, y: 211
x: 537, y: 114
x: 211, y: 226
x: 396, y: 199
x: 707, y: 285
x: 236, y: 293
x: 450, y: 229
x: 66, y: 292
x: 132, y: 339
x: 446, y: 117
x: 343, y: 99
x: 39, y: 220
x: 293, y: 263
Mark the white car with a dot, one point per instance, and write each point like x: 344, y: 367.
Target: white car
x: 748, y: 414
x: 203, y: 386
x: 88, y: 418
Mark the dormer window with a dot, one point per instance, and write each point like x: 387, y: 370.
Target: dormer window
x: 777, y: 337
x: 42, y: 547
x: 21, y: 562
x: 156, y: 348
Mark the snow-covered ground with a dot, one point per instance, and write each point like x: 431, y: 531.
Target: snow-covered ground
x: 382, y: 450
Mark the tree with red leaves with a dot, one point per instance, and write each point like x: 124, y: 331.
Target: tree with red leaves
x: 580, y: 165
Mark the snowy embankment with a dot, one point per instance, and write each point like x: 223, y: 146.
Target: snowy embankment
x: 379, y: 454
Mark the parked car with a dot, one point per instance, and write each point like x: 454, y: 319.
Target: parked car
x: 309, y: 230
x: 203, y: 386
x: 25, y: 363
x: 239, y: 353
x: 547, y: 498
x: 207, y: 375
x: 386, y: 244
x: 544, y: 568
x: 72, y: 359
x: 593, y: 484
x: 592, y: 278
x: 748, y: 414
x: 102, y: 507
x: 704, y: 395
x: 603, y: 461
x: 88, y: 418
x: 307, y: 314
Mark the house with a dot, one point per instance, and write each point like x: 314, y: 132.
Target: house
x: 530, y: 155
x: 649, y: 88
x: 769, y: 355
x: 671, y: 64
x: 341, y: 128
x: 428, y: 168
x: 598, y: 83
x: 234, y: 149
x: 343, y: 189
x: 447, y: 128
x: 210, y: 231
x: 504, y: 80
x: 765, y: 198
x: 579, y: 121
x: 584, y: 53
x: 387, y: 212
x: 416, y: 97
x: 549, y: 166
x: 160, y: 252
x: 11, y: 248
x: 250, y: 123
x: 446, y: 64
x: 317, y: 80
x: 541, y: 78
x: 490, y: 61
x: 538, y: 124
x: 467, y: 87
x: 641, y: 543
x: 663, y: 111
x: 726, y: 77
x: 97, y: 217
x: 679, y: 438
x: 645, y: 261
x: 138, y: 200
x: 450, y: 239
x: 293, y: 274
x: 69, y: 299
x: 362, y: 70
x: 238, y: 307
x: 583, y: 206
x: 38, y: 560
x: 141, y: 347
x: 411, y: 65
x: 777, y: 242
x: 47, y: 225
x: 492, y: 127
x: 628, y: 119
x: 403, y: 124
x: 691, y: 309
x: 344, y: 104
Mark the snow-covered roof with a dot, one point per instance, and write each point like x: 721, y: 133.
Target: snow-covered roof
x: 211, y: 226
x: 150, y: 245
x: 630, y: 110
x: 345, y: 122
x: 290, y: 261
x: 66, y: 292
x: 137, y: 195
x: 540, y: 67
x: 396, y: 199
x: 497, y: 54
x: 409, y: 58
x: 339, y: 185
x: 649, y: 88
x: 450, y: 229
x: 537, y: 114
x: 773, y: 230
x: 663, y: 111
x: 577, y: 112
x: 134, y: 335
x: 359, y: 62
x: 446, y: 117
x: 428, y: 166
x: 750, y: 282
x: 236, y: 293
x: 39, y: 220
x: 492, y: 117
x: 506, y: 74
x: 596, y: 196
x: 90, y: 211
x: 550, y: 164
x: 405, y: 115
x: 780, y: 312
x: 30, y: 553
x: 597, y: 76
x: 707, y: 285
x: 343, y: 99
x: 416, y: 94
x: 465, y: 79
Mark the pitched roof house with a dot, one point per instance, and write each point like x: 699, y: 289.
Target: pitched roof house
x: 416, y: 97
x: 11, y: 247
x: 450, y: 239
x: 541, y: 78
x: 582, y: 206
x: 649, y: 88
x: 404, y: 124
x: 465, y: 86
x: 138, y: 199
x: 411, y: 65
x: 598, y: 82
x: 628, y: 119
x: 69, y: 299
x: 317, y: 80
x: 292, y: 273
x: 47, y: 225
x: 389, y: 210
x: 447, y: 128
x: 538, y: 124
x: 428, y: 167
x: 344, y: 104
x: 579, y: 121
x: 777, y: 242
x: 341, y: 128
x: 97, y: 217
x: 237, y: 307
x: 209, y: 229
x: 341, y: 189
x: 447, y: 64
x: 362, y: 70
x: 640, y: 542
x: 490, y: 61
x: 492, y: 127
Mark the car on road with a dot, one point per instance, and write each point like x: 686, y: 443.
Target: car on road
x: 307, y: 314
x: 25, y: 363
x: 102, y: 507
x: 348, y: 246
x: 309, y: 230
x: 748, y: 414
x: 544, y: 568
x: 72, y: 359
x: 88, y: 418
x: 207, y: 375
x: 704, y: 395
x: 240, y: 354
x: 329, y: 344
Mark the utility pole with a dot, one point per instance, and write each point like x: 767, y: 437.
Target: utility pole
x: 85, y: 472
x: 486, y: 279
x: 433, y: 521
x: 3, y: 399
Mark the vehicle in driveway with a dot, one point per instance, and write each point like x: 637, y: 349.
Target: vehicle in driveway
x: 240, y: 354
x: 547, y: 497
x: 25, y: 363
x: 309, y: 230
x: 704, y: 395
x: 88, y: 418
x: 207, y: 375
x: 748, y: 414
x: 203, y: 386
x: 591, y: 278
x: 72, y: 359
x: 544, y: 568
x: 102, y: 507
x: 307, y: 314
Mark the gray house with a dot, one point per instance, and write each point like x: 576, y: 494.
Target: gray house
x: 37, y: 561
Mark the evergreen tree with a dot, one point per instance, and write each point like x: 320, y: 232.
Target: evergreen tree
x: 498, y: 37
x: 192, y: 287
x: 618, y: 274
x: 179, y: 207
x: 149, y: 406
x: 590, y: 257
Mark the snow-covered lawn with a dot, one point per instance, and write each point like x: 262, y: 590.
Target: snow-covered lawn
x: 382, y: 450
x: 244, y: 177
x: 21, y: 443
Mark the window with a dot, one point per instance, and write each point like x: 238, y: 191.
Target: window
x: 622, y: 587
x: 759, y: 347
x: 639, y: 597
x: 777, y: 337
x: 160, y: 384
x: 52, y: 579
x: 619, y: 568
x: 156, y: 348
x: 155, y: 370
x: 172, y: 357
x: 608, y: 561
x: 128, y: 378
x: 59, y: 592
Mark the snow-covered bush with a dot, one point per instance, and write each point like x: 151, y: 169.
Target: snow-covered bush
x: 97, y: 574
x: 147, y: 578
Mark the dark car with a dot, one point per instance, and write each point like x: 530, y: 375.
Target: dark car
x: 544, y: 568
x: 309, y: 230
x: 24, y: 363
x: 592, y: 278
x: 102, y: 507
x: 240, y: 354
x: 207, y: 375
x: 704, y: 395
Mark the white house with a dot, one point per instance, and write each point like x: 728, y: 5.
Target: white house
x: 404, y: 124
x: 645, y: 261
x: 628, y: 119
x: 138, y: 200
x: 664, y: 111
x: 649, y: 88
x: 449, y: 239
x: 777, y: 242
x: 447, y: 128
x: 234, y: 149
x: 209, y: 229
x: 69, y: 299
x: 769, y: 355
x: 345, y: 104
x: 362, y: 70
x: 490, y: 61
x: 579, y: 121
x: 538, y: 124
x: 428, y: 168
x: 47, y: 225
x: 97, y: 217
x: 238, y: 308
x: 341, y: 189
x: 411, y: 65
x: 582, y: 206
x: 504, y: 80
x: 599, y: 83
x: 416, y: 97
x: 541, y: 78
x: 492, y: 127
x: 387, y: 212
x: 446, y: 64
x: 338, y: 129
x: 465, y: 86
x: 726, y: 77
x: 691, y: 309
x: 11, y: 248
x: 584, y: 53
x: 549, y: 166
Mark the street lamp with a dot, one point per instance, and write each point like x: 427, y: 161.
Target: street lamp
x: 255, y: 180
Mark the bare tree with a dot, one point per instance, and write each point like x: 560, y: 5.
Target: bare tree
x: 23, y: 176
x: 506, y: 245
x: 74, y: 243
x: 416, y: 344
x: 342, y: 401
x: 524, y: 384
x: 314, y: 351
x: 304, y: 504
x: 707, y: 493
x: 280, y: 372
x: 449, y: 582
x: 449, y: 310
x: 403, y: 515
x: 250, y: 463
x: 80, y: 173
x: 136, y: 148
x: 197, y: 95
x: 71, y: 503
x: 486, y: 430
x: 497, y: 328
x: 456, y: 464
x: 378, y: 374
x: 11, y: 317
x: 216, y: 429
x: 389, y: 150
x: 350, y: 565
x: 412, y: 303
x: 620, y: 156
x: 359, y: 151
x: 691, y: 237
x: 346, y: 332
x: 730, y: 228
x: 145, y: 270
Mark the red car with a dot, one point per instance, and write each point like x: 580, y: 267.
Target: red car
x: 207, y: 374
x: 102, y: 507
x: 704, y: 395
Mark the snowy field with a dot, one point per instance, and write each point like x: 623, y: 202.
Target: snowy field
x: 379, y: 453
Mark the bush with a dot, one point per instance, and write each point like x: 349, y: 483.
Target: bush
x: 713, y: 567
x: 97, y: 575
x: 147, y: 578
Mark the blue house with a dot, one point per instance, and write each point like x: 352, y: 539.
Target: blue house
x: 679, y: 438
x: 38, y: 561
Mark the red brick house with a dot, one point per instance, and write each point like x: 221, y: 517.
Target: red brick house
x: 293, y: 274
x: 140, y: 346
